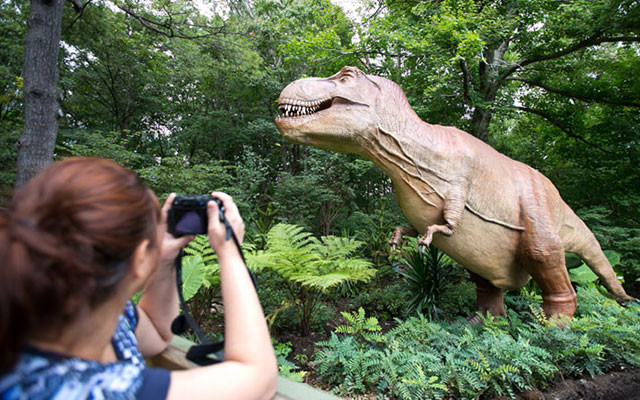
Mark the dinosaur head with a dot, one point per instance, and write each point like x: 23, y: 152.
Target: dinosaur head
x: 334, y: 113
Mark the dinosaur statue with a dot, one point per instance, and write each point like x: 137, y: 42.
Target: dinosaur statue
x: 502, y: 220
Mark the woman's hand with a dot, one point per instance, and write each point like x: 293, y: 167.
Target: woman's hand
x: 170, y: 246
x: 217, y: 230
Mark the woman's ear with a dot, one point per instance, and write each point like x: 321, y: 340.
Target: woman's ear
x: 143, y: 262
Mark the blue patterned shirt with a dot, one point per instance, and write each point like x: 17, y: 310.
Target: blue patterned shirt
x: 45, y: 375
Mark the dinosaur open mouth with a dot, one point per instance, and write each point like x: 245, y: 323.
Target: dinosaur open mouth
x: 295, y: 107
x: 290, y: 108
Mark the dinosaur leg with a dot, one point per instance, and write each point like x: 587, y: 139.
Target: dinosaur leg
x: 488, y: 297
x: 399, y: 232
x: 453, y: 208
x: 542, y: 256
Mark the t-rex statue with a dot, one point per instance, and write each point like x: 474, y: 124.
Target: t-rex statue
x: 501, y: 219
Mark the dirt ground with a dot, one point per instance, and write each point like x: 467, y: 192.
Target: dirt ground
x: 618, y: 385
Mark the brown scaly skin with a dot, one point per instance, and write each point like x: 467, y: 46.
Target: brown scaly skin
x: 501, y: 219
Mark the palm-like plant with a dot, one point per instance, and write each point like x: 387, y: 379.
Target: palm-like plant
x: 310, y: 267
x: 427, y: 276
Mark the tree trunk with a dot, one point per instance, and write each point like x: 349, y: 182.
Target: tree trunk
x: 37, y: 143
x: 480, y: 123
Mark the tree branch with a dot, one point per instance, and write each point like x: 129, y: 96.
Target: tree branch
x: 79, y: 7
x: 166, y: 28
x: 590, y: 41
x: 375, y: 14
x: 567, y: 93
x: 555, y: 123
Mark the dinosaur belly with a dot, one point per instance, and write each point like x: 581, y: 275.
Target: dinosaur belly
x: 485, y: 248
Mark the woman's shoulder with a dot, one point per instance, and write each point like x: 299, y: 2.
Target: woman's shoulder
x: 44, y: 375
x: 41, y: 374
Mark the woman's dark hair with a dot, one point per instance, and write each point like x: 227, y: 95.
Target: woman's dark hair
x: 65, y: 241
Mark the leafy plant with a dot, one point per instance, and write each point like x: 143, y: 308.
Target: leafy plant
x: 308, y: 266
x: 386, y: 302
x: 426, y: 278
x: 287, y: 368
x: 192, y: 275
x: 582, y: 274
x: 424, y: 359
x: 200, y: 276
x: 378, y: 230
x: 358, y: 325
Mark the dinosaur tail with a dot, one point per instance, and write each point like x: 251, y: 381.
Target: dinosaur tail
x: 589, y: 250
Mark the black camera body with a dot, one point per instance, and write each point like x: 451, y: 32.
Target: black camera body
x: 188, y: 214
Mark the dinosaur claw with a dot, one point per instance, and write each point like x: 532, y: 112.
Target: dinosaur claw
x: 425, y: 241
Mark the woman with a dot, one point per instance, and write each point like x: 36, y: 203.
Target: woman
x: 76, y: 243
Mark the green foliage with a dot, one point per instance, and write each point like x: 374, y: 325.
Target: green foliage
x: 12, y: 27
x: 200, y: 276
x: 192, y: 275
x: 97, y: 143
x: 199, y: 178
x: 621, y: 236
x: 287, y: 368
x: 8, y: 160
x: 310, y: 267
x: 423, y: 359
x: 358, y: 325
x: 375, y: 229
x: 384, y: 302
x: 582, y: 274
x: 427, y: 277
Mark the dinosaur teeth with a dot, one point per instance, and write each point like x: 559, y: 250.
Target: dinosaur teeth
x: 295, y: 108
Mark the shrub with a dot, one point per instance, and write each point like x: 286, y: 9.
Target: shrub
x: 384, y: 302
x: 501, y: 357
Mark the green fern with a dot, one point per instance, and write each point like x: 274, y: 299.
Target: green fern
x: 503, y: 357
x: 310, y: 267
x: 357, y: 324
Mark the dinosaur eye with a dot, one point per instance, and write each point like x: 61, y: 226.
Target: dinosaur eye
x: 344, y: 79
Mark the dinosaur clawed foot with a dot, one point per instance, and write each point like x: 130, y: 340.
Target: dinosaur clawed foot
x: 396, y: 236
x: 426, y: 239
x: 396, y: 239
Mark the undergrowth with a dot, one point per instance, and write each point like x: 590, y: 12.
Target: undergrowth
x: 501, y: 357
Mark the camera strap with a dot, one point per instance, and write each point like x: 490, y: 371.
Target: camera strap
x: 207, y: 352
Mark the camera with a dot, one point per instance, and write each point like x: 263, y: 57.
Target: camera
x: 188, y: 214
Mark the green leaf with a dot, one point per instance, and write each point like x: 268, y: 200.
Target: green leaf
x: 572, y: 260
x: 613, y: 257
x: 192, y: 275
x: 582, y: 276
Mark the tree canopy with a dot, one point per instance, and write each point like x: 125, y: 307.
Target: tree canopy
x: 186, y: 95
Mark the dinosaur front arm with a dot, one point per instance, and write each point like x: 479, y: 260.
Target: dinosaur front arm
x: 454, y: 203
